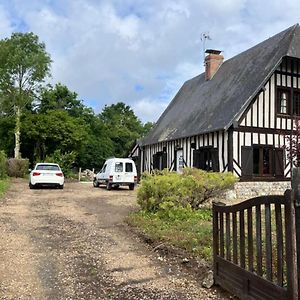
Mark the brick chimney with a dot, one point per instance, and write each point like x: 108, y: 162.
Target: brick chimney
x: 213, y: 61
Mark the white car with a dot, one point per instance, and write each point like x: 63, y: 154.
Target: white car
x: 117, y: 172
x: 46, y: 174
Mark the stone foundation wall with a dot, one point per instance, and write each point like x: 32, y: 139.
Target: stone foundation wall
x: 246, y: 190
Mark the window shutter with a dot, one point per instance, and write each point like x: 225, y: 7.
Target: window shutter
x: 155, y: 161
x: 201, y: 159
x: 164, y: 160
x: 247, y: 161
x: 215, y: 160
x: 196, y: 163
x: 279, y: 162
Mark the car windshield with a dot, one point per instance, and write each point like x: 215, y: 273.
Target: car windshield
x: 119, y: 167
x: 47, y: 167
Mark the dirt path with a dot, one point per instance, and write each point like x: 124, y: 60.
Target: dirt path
x: 73, y: 244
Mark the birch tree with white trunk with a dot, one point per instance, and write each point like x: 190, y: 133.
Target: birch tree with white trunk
x: 24, y: 65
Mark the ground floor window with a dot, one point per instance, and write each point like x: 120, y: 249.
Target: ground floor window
x: 206, y: 158
x: 262, y: 161
x: 160, y: 161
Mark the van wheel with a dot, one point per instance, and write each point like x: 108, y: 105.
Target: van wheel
x: 131, y: 186
x: 108, y: 186
x: 95, y: 183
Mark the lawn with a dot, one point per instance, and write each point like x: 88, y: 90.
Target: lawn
x: 188, y: 230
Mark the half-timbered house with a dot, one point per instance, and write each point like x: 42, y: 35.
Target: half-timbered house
x: 234, y: 116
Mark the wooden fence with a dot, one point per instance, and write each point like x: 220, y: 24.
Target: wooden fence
x: 254, y: 248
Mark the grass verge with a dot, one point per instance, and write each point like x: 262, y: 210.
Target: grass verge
x: 4, y: 184
x: 187, y: 229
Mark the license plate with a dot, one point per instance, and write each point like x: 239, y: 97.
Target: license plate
x: 47, y: 174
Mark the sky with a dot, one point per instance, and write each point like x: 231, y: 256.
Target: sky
x: 140, y: 52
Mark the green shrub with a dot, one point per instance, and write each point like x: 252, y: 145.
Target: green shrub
x: 184, y: 228
x: 165, y: 190
x: 3, y: 164
x: 17, y: 167
x: 4, y: 185
x: 65, y: 161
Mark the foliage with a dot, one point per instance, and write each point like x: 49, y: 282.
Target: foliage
x: 61, y: 98
x: 24, y: 64
x: 3, y: 164
x: 4, y: 185
x: 147, y: 127
x: 181, y: 227
x: 65, y: 160
x: 98, y: 146
x: 165, y: 189
x: 38, y: 120
x: 123, y: 127
x: 292, y: 144
x: 7, y: 125
x: 17, y: 167
x: 55, y: 130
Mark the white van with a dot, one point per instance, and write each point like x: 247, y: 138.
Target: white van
x: 117, y: 172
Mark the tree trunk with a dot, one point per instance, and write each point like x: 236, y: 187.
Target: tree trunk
x: 18, y: 133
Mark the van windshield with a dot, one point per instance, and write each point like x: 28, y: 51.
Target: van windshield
x: 128, y: 167
x: 119, y: 167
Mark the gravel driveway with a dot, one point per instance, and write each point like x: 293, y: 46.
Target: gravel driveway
x: 73, y: 244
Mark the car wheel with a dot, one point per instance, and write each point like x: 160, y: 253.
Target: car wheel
x: 31, y: 186
x: 95, y: 183
x: 131, y: 186
x: 61, y: 187
x: 108, y: 186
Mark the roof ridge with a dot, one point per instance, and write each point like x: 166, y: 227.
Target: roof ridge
x: 204, y: 106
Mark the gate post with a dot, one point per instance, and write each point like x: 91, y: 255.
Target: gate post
x: 296, y: 196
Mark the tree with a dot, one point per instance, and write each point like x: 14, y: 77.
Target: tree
x: 122, y: 126
x: 55, y: 130
x: 7, y: 125
x: 24, y: 64
x: 98, y: 146
x: 147, y: 127
x: 60, y: 97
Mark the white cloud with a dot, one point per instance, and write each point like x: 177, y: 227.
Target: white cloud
x: 5, y: 25
x: 149, y: 109
x: 105, y: 49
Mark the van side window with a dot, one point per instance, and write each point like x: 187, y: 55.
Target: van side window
x: 128, y: 167
x: 119, y: 167
x: 103, y: 169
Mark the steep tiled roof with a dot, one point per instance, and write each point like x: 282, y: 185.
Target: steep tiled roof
x: 203, y: 106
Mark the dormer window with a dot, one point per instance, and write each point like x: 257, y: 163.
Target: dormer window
x: 283, y: 102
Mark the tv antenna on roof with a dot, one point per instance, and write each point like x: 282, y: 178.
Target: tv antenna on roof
x: 204, y: 37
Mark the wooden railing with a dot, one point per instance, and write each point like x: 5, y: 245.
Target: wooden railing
x: 254, y: 248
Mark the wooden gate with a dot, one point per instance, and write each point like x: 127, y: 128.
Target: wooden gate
x: 254, y: 248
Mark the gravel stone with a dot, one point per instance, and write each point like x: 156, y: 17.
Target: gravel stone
x: 74, y: 244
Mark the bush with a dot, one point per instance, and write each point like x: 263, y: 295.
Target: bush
x: 165, y: 190
x: 65, y: 161
x: 4, y: 185
x: 3, y: 164
x: 17, y: 167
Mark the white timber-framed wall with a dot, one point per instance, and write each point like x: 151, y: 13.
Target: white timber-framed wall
x: 261, y: 124
x: 217, y: 140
